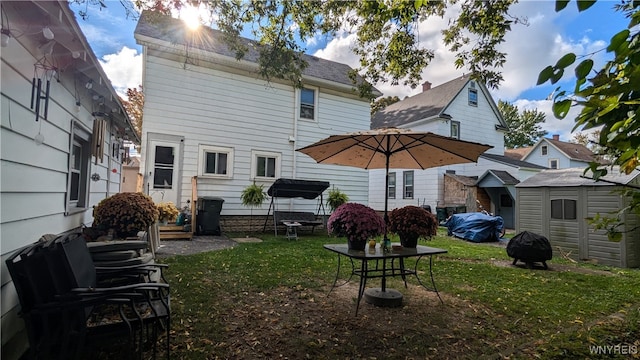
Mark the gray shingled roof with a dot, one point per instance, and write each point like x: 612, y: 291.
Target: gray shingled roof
x: 166, y: 28
x: 574, y: 177
x: 511, y: 161
x: 424, y: 105
x: 503, y: 176
x: 573, y: 151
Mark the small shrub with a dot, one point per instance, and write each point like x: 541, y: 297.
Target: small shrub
x: 125, y: 214
x: 355, y: 221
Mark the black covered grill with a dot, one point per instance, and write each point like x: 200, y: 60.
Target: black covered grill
x: 530, y: 248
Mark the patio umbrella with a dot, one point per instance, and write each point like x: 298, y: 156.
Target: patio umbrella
x: 393, y: 148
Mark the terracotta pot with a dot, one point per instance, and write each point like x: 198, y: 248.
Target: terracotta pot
x: 409, y: 241
x: 357, y: 244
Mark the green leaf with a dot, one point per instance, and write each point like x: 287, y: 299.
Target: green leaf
x: 561, y: 4
x: 566, y: 60
x: 583, y: 69
x: 617, y: 40
x: 417, y: 4
x: 585, y: 4
x: 545, y: 75
x: 561, y: 108
x: 557, y: 75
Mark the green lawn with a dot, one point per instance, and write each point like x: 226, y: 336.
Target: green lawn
x: 269, y: 299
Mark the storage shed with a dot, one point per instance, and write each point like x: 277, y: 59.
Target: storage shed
x: 558, y: 204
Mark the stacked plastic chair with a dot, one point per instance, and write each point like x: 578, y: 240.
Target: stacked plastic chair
x: 63, y: 304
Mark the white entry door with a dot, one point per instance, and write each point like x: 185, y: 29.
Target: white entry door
x: 163, y: 181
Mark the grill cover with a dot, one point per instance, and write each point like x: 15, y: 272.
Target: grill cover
x: 529, y: 247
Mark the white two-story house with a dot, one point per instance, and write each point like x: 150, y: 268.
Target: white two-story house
x: 210, y: 116
x: 61, y: 137
x: 553, y: 153
x: 464, y: 109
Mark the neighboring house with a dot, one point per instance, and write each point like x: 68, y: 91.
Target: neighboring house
x: 131, y: 177
x: 555, y: 154
x: 210, y: 116
x: 461, y: 108
x: 558, y: 203
x: 61, y: 146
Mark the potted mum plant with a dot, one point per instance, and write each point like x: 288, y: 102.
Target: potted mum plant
x: 412, y: 222
x: 357, y: 222
x: 167, y: 212
x: 125, y: 214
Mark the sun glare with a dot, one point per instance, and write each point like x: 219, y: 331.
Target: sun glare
x: 191, y: 17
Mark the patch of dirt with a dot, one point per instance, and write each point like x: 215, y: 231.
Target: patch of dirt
x: 553, y: 267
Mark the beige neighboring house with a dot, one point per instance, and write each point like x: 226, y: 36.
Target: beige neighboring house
x: 131, y: 177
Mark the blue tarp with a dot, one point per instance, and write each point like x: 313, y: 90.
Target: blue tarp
x: 476, y: 227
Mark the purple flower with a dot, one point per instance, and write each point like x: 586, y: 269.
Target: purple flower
x: 412, y: 221
x: 356, y: 222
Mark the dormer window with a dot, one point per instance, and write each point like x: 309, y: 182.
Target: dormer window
x: 473, y: 97
x: 544, y: 150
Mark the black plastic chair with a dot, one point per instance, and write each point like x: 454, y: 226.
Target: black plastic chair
x: 56, y: 283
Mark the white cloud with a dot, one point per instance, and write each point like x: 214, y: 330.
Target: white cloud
x: 552, y: 125
x: 124, y: 69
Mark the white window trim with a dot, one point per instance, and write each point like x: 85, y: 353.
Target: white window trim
x: 315, y: 103
x: 452, y: 124
x: 544, y: 149
x: 557, y: 163
x: 472, y: 90
x: 254, y: 164
x: 395, y: 182
x: 79, y: 130
x: 404, y: 184
x: 202, y: 149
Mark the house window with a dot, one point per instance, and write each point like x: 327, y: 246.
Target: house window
x: 455, y: 129
x: 408, y: 184
x: 544, y: 150
x: 553, y: 164
x: 215, y: 161
x: 307, y: 104
x: 563, y: 209
x: 79, y: 165
x: 391, y: 189
x: 473, y: 97
x: 266, y: 165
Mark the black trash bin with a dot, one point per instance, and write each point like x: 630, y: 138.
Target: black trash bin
x: 208, y: 218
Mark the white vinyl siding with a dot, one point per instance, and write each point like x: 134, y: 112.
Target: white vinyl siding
x: 211, y: 106
x: 35, y: 177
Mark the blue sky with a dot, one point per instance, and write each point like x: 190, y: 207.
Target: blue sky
x: 529, y: 49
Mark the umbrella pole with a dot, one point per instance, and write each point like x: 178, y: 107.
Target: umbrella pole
x: 387, y: 242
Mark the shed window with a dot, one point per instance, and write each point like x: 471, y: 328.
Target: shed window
x: 553, y: 163
x: 391, y: 189
x: 563, y: 209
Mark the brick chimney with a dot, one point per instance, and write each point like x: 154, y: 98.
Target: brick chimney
x: 556, y: 137
x: 426, y: 86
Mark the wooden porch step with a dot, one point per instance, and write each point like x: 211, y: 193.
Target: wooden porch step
x: 174, y: 232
